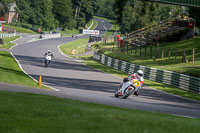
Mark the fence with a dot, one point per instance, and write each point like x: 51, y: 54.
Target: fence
x: 7, y: 35
x: 181, y: 81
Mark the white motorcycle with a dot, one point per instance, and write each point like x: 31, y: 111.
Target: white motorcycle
x: 47, y: 60
x: 127, y: 88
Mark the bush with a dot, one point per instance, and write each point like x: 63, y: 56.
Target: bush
x: 23, y: 25
x: 27, y: 26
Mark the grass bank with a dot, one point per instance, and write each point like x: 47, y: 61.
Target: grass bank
x: 33, y: 113
x: 67, y: 49
x: 69, y: 33
x: 75, y: 47
x: 11, y: 73
x: 171, y: 64
x: 7, y: 42
x: 21, y: 30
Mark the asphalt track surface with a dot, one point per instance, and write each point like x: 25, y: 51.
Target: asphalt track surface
x: 71, y: 79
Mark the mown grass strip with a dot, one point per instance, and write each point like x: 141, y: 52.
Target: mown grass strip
x: 23, y: 113
x: 7, y: 42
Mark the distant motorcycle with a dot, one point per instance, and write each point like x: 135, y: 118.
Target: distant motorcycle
x: 47, y: 60
x: 127, y: 88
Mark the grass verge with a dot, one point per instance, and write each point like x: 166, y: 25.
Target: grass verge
x: 69, y: 33
x: 7, y: 42
x: 75, y: 47
x: 11, y: 73
x: 94, y: 25
x: 23, y: 113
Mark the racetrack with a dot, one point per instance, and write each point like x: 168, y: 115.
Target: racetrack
x: 77, y: 81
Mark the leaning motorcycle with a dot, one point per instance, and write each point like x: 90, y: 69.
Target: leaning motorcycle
x: 47, y: 60
x: 127, y: 88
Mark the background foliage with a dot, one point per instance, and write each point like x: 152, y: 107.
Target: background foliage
x: 130, y: 15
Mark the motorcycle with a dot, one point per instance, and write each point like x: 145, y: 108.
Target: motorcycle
x: 47, y: 60
x: 127, y: 88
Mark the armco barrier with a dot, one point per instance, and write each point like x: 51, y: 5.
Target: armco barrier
x: 181, y: 81
x: 7, y: 35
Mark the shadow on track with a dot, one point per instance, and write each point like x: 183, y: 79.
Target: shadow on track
x: 55, y: 63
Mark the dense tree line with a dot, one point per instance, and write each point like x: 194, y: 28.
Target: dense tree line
x: 50, y: 14
x: 135, y: 14
x: 129, y: 14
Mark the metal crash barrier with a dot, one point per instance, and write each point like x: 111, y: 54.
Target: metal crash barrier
x: 181, y: 81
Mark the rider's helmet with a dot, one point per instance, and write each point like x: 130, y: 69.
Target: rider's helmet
x: 49, y: 51
x: 140, y: 73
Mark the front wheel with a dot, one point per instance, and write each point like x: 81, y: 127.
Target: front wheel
x: 46, y: 63
x: 116, y: 94
x: 127, y: 92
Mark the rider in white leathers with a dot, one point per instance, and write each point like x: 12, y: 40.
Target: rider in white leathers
x: 49, y: 53
x: 139, y: 77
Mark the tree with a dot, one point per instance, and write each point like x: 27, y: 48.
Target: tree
x: 37, y: 13
x: 63, y: 12
x: 84, y: 11
x: 5, y: 6
x: 195, y: 13
x: 135, y: 14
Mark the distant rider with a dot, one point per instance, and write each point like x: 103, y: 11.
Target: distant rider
x: 139, y: 77
x: 49, y: 53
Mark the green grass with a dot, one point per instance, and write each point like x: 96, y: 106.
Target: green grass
x: 75, y: 47
x: 68, y: 33
x: 21, y: 30
x: 89, y: 23
x: 163, y: 64
x: 7, y: 42
x: 32, y: 113
x: 11, y: 73
x: 94, y: 25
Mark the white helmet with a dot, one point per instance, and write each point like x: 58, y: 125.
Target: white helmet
x: 49, y: 51
x: 140, y: 73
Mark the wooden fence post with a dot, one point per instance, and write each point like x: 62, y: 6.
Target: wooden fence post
x: 162, y: 53
x: 140, y: 50
x: 184, y: 57
x: 193, y: 55
x: 169, y: 54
